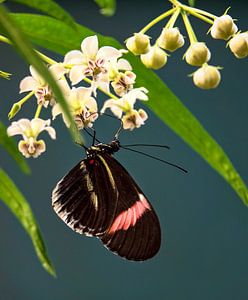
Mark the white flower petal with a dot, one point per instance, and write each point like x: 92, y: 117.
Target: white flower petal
x: 40, y: 148
x: 143, y: 114
x: 51, y: 131
x: 91, y: 104
x: 56, y: 110
x: 108, y: 53
x: 22, y: 147
x: 58, y: 71
x: 14, y: 129
x: 28, y: 84
x: 38, y: 125
x: 138, y: 93
x: 83, y: 93
x: 36, y: 75
x: 89, y: 46
x: 102, y: 82
x: 64, y: 86
x: 76, y: 74
x: 24, y: 124
x: 104, y: 85
x: 74, y: 57
x: 123, y: 64
x: 113, y: 105
x: 66, y: 120
x: 19, y: 127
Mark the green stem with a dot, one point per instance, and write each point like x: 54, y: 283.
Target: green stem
x: 24, y: 99
x: 158, y: 19
x: 199, y: 16
x: 38, y: 110
x: 191, y: 9
x: 173, y: 18
x: 190, y: 31
x: 201, y: 12
x: 47, y: 59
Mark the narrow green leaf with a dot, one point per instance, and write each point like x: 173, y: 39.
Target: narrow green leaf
x: 21, y: 43
x: 51, y: 8
x: 18, y: 205
x: 107, y: 7
x: 58, y: 37
x: 10, y: 146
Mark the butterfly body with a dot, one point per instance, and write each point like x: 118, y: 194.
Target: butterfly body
x: 99, y: 198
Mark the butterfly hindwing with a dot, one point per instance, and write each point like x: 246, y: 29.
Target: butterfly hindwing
x: 85, y: 199
x: 135, y: 231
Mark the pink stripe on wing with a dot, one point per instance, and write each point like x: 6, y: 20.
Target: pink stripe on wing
x: 130, y: 216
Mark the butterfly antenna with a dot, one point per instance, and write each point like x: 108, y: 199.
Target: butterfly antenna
x: 81, y: 145
x: 156, y: 158
x: 148, y: 145
x: 92, y: 135
x: 116, y: 136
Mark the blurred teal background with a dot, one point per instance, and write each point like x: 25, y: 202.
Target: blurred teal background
x: 204, y: 223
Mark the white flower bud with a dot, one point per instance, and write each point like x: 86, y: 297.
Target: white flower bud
x: 207, y: 77
x: 156, y: 58
x: 239, y: 45
x: 197, y: 54
x: 223, y: 28
x: 170, y: 39
x: 138, y: 44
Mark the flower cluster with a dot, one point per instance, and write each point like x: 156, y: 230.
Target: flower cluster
x: 155, y: 56
x: 103, y: 69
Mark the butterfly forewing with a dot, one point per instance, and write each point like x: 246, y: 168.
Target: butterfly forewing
x: 85, y: 199
x: 135, y: 231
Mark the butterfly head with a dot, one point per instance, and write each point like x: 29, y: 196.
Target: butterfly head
x: 109, y: 148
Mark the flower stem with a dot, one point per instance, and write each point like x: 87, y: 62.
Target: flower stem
x: 173, y: 18
x: 158, y: 19
x: 190, y: 9
x: 194, y: 12
x: 47, y: 59
x: 24, y: 99
x: 199, y: 11
x: 38, y: 110
x: 190, y: 31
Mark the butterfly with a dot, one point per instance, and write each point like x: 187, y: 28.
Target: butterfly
x: 99, y: 198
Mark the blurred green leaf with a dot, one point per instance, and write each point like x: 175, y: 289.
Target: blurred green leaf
x: 191, y: 2
x: 49, y: 7
x: 10, y: 146
x: 18, y: 205
x: 21, y: 43
x: 58, y: 37
x: 107, y: 7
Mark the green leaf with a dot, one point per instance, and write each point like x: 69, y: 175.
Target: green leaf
x: 191, y: 2
x: 21, y: 43
x: 10, y: 146
x: 107, y: 7
x: 18, y: 205
x: 58, y: 37
x: 51, y: 8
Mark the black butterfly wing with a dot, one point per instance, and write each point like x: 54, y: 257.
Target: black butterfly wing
x: 135, y: 230
x: 85, y: 199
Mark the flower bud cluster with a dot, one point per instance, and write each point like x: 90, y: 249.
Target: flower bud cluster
x: 224, y: 28
x: 155, y: 56
x: 105, y: 69
x: 198, y: 55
